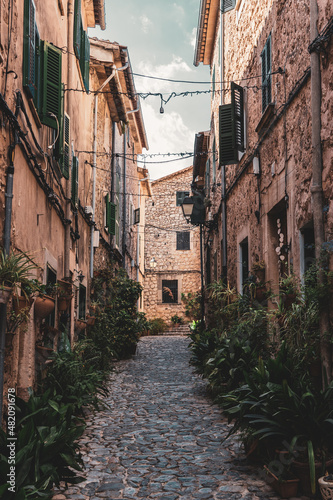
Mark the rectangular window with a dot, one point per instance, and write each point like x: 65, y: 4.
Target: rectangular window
x: 75, y: 181
x: 266, y: 78
x: 170, y: 291
x: 51, y: 279
x: 82, y: 302
x: 137, y: 216
x: 207, y: 179
x: 183, y: 240
x: 180, y: 195
x: 227, y: 5
x: 110, y: 216
x: 244, y: 263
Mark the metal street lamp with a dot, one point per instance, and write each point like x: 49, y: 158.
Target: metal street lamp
x: 187, y: 207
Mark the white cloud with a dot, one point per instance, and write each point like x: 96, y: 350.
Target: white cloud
x: 172, y: 70
x: 193, y: 38
x: 145, y: 23
x: 179, y: 13
x: 166, y: 133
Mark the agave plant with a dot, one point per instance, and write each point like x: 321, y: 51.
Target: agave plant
x: 15, y: 269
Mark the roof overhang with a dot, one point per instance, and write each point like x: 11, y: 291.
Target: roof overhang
x: 208, y: 16
x: 106, y: 57
x: 95, y: 12
x: 201, y: 145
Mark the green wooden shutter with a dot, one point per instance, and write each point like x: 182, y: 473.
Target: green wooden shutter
x: 63, y: 146
x: 29, y: 47
x: 237, y: 101
x: 228, y: 152
x: 112, y: 218
x: 75, y: 180
x: 85, y: 59
x: 77, y: 28
x: 228, y: 5
x: 51, y: 85
x: 266, y: 74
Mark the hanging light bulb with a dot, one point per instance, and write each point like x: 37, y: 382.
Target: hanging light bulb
x: 161, y: 108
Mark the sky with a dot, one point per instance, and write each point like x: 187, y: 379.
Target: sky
x: 160, y: 36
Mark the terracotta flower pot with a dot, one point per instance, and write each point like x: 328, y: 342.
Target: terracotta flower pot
x: 80, y: 324
x: 44, y: 305
x: 301, y: 470
x: 286, y: 488
x: 91, y: 320
x: 5, y: 293
x: 20, y: 303
x: 64, y: 302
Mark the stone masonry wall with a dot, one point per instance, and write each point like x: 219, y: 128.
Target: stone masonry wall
x: 163, y: 219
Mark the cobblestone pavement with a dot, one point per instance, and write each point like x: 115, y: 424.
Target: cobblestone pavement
x: 161, y: 436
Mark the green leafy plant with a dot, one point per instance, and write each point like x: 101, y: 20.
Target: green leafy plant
x: 46, y: 449
x: 192, y: 302
x: 15, y: 269
x: 177, y: 320
x: 156, y: 326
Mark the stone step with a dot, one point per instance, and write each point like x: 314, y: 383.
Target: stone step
x: 178, y: 330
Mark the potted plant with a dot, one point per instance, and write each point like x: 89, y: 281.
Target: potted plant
x: 282, y: 480
x: 80, y: 324
x: 176, y: 320
x: 45, y: 301
x: 326, y: 486
x: 288, y: 289
x: 64, y: 294
x: 259, y: 270
x: 15, y: 270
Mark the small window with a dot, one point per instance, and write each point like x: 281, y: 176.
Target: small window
x: 266, y: 78
x: 82, y: 302
x: 51, y: 279
x: 180, y: 195
x: 183, y: 240
x: 75, y: 181
x: 137, y: 216
x: 244, y: 263
x: 170, y: 291
x: 227, y: 5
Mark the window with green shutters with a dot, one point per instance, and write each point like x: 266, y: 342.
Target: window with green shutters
x: 266, y: 78
x: 231, y: 127
x: 75, y: 181
x: 81, y: 45
x: 227, y: 5
x: 51, y: 96
x: 110, y: 215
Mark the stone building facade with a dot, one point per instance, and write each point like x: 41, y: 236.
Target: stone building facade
x: 64, y: 144
x: 260, y: 176
x: 171, y: 248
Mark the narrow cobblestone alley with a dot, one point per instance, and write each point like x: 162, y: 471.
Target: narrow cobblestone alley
x: 161, y: 436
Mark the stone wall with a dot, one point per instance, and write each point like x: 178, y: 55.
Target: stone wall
x: 163, y: 220
x: 283, y: 145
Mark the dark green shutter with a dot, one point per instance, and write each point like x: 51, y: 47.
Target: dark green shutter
x: 51, y: 84
x: 107, y: 211
x: 237, y: 101
x: 228, y: 5
x: 266, y: 74
x: 112, y: 218
x: 29, y: 48
x: 85, y: 59
x: 75, y: 180
x: 77, y: 28
x: 228, y: 152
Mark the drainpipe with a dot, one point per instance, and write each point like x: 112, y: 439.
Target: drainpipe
x: 70, y: 43
x: 6, y: 248
x: 223, y: 174
x: 124, y: 204
x: 138, y: 233
x: 114, y: 70
x: 317, y: 188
